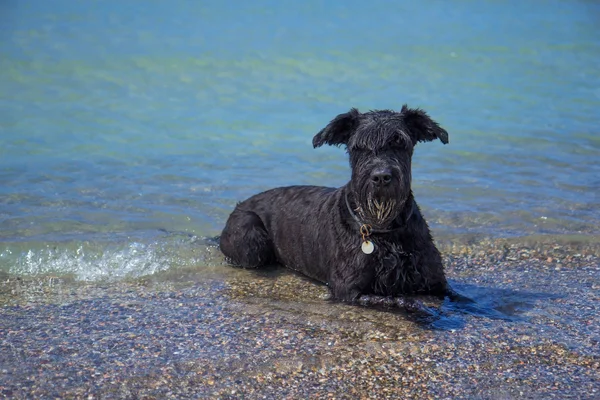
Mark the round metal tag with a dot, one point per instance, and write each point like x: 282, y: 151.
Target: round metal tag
x: 367, y: 247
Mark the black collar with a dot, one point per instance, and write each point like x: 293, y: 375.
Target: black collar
x: 361, y: 224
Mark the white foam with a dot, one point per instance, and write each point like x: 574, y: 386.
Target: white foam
x: 93, y: 262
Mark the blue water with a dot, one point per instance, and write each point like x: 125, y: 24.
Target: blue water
x: 122, y: 120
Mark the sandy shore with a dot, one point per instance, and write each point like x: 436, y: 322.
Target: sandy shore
x: 226, y: 333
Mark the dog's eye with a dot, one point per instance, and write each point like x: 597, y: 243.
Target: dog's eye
x: 401, y: 141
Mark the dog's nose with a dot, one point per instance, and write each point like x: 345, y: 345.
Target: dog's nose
x: 381, y: 177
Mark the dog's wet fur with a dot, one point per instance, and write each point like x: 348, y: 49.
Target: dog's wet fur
x: 317, y: 230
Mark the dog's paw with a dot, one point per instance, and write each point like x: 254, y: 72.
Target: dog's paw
x: 377, y: 301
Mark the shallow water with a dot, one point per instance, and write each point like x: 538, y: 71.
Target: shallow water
x: 120, y: 121
x: 533, y: 332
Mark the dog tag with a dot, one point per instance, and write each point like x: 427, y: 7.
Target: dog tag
x: 367, y: 247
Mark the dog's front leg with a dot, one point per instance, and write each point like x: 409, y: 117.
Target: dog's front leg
x: 409, y: 304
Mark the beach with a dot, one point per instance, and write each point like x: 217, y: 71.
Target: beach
x: 275, y: 335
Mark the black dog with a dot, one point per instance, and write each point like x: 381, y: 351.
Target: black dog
x: 366, y: 240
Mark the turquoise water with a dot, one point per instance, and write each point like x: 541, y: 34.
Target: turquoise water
x: 123, y: 122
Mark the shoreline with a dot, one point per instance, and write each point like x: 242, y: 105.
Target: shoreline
x: 231, y: 333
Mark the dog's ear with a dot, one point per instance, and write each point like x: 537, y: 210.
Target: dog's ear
x: 339, y: 130
x: 421, y: 127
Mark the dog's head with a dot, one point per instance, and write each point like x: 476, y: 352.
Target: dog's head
x: 380, y: 145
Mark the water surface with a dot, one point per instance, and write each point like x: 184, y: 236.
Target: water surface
x: 119, y: 121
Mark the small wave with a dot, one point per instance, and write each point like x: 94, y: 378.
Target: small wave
x: 93, y: 261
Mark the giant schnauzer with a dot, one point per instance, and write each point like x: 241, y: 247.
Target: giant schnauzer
x: 367, y: 240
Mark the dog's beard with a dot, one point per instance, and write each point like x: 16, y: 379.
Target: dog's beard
x: 379, y: 206
x: 380, y: 210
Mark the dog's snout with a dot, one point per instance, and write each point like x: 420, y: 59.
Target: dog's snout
x: 381, y: 177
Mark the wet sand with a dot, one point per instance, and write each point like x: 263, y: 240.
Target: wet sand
x: 220, y: 332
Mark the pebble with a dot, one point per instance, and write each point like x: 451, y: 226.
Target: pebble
x: 272, y: 335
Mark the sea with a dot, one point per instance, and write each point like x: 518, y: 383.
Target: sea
x: 130, y: 129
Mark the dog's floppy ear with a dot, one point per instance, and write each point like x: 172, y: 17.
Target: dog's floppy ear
x: 421, y: 127
x: 339, y: 130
